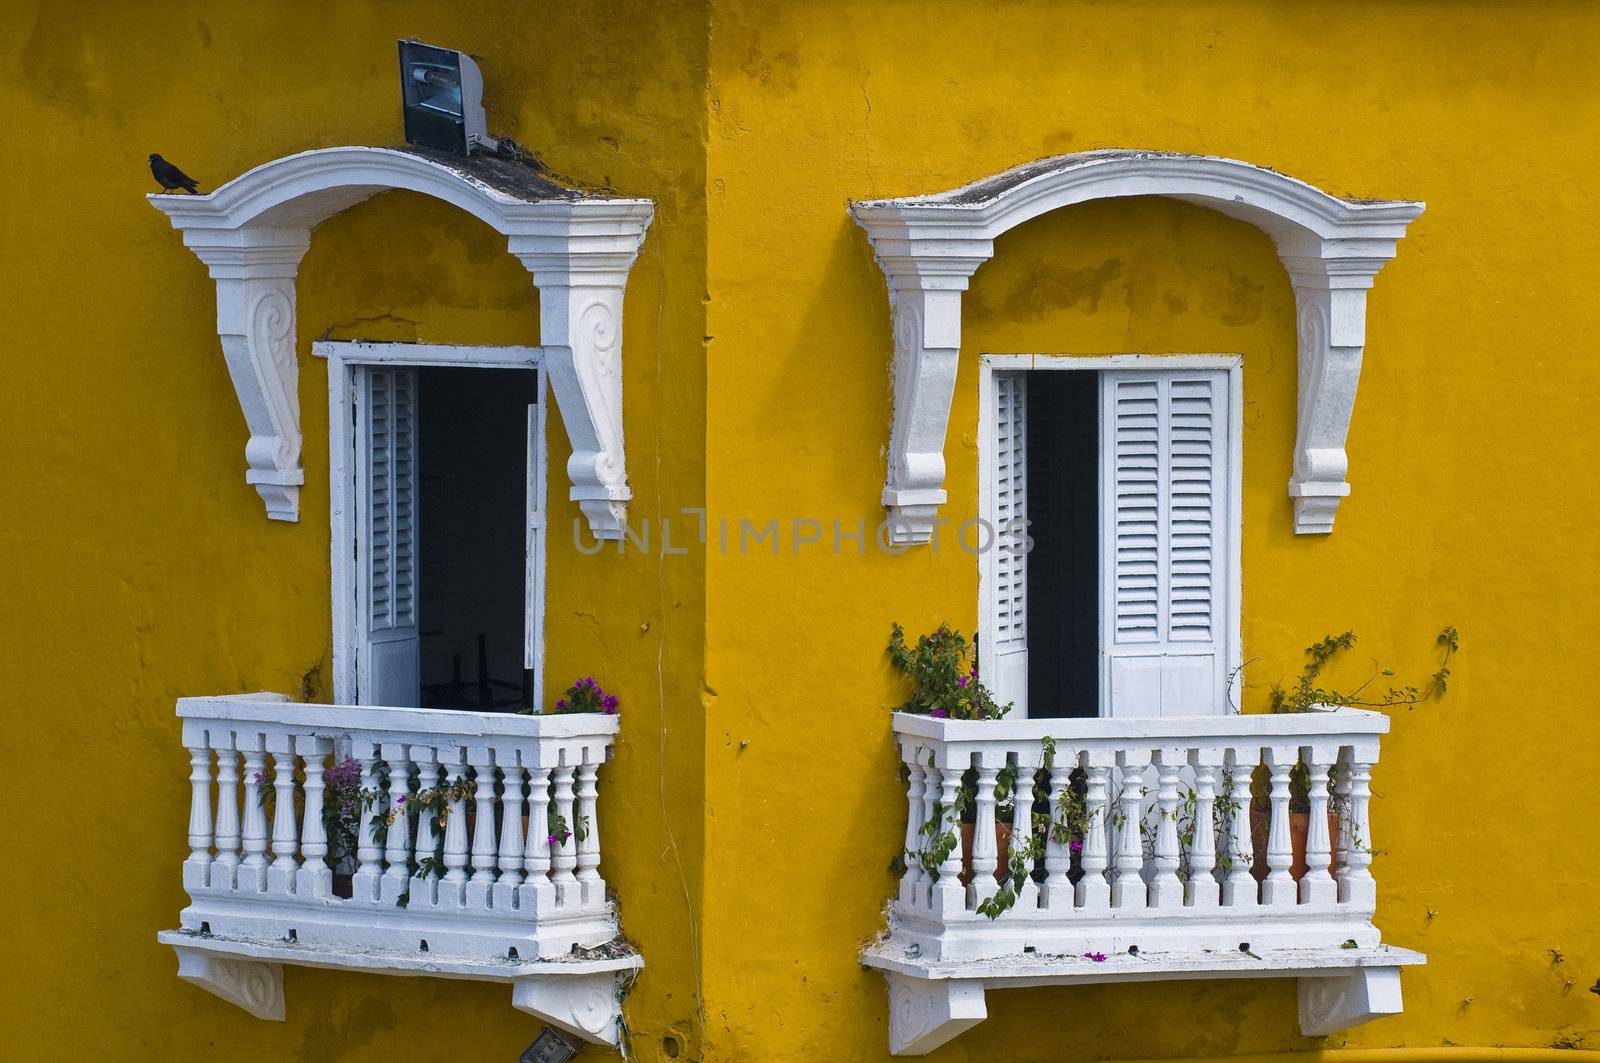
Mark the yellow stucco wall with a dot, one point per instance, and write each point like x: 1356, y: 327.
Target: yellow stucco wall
x: 1472, y: 459
x: 139, y: 567
x: 753, y: 806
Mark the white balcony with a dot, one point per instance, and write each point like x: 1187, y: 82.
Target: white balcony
x: 500, y: 882
x: 1145, y: 864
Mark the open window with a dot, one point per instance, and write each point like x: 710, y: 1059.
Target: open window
x: 438, y: 557
x: 1112, y: 587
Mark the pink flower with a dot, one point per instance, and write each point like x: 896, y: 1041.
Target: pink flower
x: 962, y: 681
x: 1075, y: 845
x: 259, y: 779
x: 400, y: 800
x: 610, y: 703
x: 346, y: 772
x: 553, y: 840
x: 1097, y: 957
x: 939, y: 714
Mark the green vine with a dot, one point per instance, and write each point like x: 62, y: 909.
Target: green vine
x: 1307, y: 694
x: 943, y: 676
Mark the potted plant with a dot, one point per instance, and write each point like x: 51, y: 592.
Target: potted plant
x: 1306, y: 695
x: 343, y: 802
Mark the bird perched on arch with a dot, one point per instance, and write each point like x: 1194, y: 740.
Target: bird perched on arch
x: 171, y: 178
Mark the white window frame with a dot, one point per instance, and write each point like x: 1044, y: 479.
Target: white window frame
x: 344, y: 358
x: 1233, y: 365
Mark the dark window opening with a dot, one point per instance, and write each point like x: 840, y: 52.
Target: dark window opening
x: 472, y: 463
x: 1063, y: 470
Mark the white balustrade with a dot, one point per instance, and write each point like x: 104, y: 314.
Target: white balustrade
x: 451, y: 828
x: 1152, y: 837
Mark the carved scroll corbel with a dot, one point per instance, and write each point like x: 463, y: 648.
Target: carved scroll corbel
x: 255, y: 986
x: 927, y: 343
x: 1339, y: 1002
x: 255, y: 278
x: 581, y: 275
x: 924, y: 1014
x: 587, y: 1006
x: 1332, y: 313
x: 581, y: 333
x: 925, y: 299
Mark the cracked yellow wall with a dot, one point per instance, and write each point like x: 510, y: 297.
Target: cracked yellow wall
x: 1473, y: 458
x: 137, y: 566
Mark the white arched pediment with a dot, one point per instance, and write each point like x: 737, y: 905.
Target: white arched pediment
x: 252, y: 232
x: 928, y: 247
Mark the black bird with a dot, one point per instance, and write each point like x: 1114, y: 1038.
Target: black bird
x: 172, y: 178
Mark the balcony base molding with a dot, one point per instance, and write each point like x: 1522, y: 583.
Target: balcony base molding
x: 581, y: 995
x: 933, y: 1001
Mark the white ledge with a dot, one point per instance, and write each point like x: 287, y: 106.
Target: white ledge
x: 341, y: 720
x: 928, y: 247
x: 252, y: 232
x: 581, y: 994
x: 932, y: 1001
x: 1327, y: 724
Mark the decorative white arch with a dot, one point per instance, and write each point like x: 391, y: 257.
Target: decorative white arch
x: 252, y: 232
x: 928, y: 247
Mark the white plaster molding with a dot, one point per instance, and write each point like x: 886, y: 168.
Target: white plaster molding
x: 253, y: 231
x: 926, y: 1014
x: 1328, y: 1005
x: 582, y: 996
x: 255, y: 986
x: 932, y: 1001
x: 928, y: 247
x: 587, y: 1005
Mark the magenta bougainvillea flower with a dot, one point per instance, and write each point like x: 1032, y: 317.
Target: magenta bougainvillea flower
x: 1097, y: 957
x: 587, y: 695
x: 346, y: 772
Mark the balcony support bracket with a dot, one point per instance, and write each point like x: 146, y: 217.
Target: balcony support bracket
x: 587, y: 1006
x: 255, y: 986
x: 1328, y: 1005
x: 933, y: 1001
x: 582, y: 995
x: 925, y: 1014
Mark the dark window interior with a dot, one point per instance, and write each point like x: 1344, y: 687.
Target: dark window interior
x: 472, y: 459
x: 1063, y: 567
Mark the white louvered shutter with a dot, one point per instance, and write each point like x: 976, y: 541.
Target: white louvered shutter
x: 533, y: 601
x: 1164, y: 551
x: 1006, y: 660
x: 388, y: 663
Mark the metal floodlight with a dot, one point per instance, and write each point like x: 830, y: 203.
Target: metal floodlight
x: 548, y: 1047
x: 441, y: 93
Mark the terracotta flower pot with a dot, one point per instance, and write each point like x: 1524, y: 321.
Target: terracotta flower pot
x: 1299, y: 831
x: 1002, y: 845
